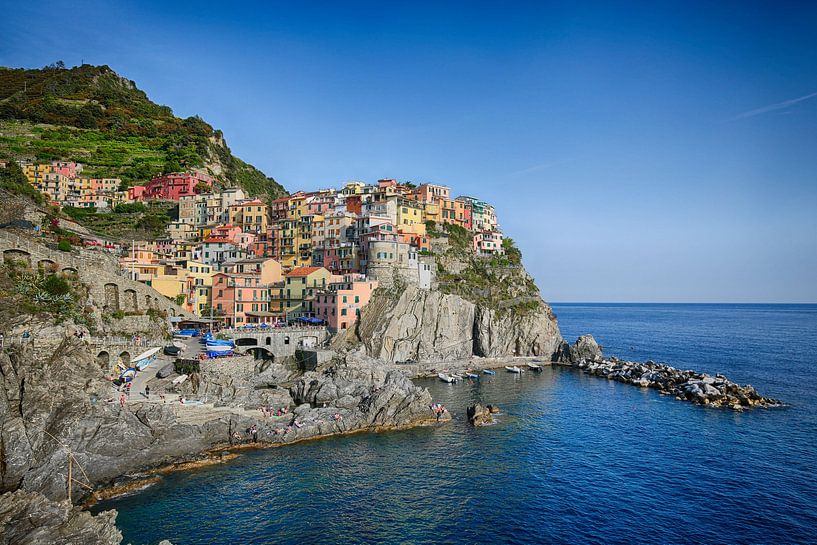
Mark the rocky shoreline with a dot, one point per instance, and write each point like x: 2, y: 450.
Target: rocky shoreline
x: 686, y: 385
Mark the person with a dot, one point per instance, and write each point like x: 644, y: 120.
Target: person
x: 147, y: 391
x: 128, y: 388
x: 236, y: 438
x: 254, y: 432
x: 122, y: 401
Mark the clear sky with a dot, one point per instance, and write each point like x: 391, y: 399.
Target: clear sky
x: 651, y: 151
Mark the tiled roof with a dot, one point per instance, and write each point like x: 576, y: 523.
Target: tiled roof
x: 303, y: 271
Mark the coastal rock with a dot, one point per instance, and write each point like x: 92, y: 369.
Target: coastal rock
x: 586, y: 348
x: 29, y: 518
x: 428, y: 325
x: 699, y: 388
x: 479, y: 415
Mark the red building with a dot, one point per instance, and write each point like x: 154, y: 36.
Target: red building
x: 172, y: 186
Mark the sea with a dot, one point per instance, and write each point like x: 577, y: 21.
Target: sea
x: 571, y: 458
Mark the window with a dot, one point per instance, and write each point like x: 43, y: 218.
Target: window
x: 357, y: 299
x: 344, y: 298
x: 343, y: 312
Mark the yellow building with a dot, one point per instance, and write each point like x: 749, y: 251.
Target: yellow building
x: 252, y: 216
x: 300, y: 286
x: 410, y: 217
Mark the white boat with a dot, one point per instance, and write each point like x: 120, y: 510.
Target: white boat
x: 178, y: 380
x: 513, y: 369
x: 534, y: 367
x: 146, y: 358
x: 218, y: 348
x: 446, y: 378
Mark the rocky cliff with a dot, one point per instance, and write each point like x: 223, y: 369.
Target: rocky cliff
x: 55, y: 399
x: 429, y: 325
x: 479, y: 306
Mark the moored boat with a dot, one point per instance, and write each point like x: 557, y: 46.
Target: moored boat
x: 446, y: 378
x: 534, y: 367
x: 472, y: 375
x: 513, y: 369
x: 488, y: 372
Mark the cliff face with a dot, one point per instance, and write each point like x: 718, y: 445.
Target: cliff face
x: 484, y: 306
x: 429, y: 325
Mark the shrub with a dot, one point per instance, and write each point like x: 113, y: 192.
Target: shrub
x: 64, y: 246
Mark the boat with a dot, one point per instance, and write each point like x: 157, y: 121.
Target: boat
x: 488, y: 372
x: 178, y: 380
x: 446, y: 378
x: 472, y: 375
x: 146, y: 358
x: 534, y: 367
x: 128, y: 374
x: 513, y: 369
x: 219, y: 348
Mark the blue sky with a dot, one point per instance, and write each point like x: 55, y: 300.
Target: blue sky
x: 635, y: 153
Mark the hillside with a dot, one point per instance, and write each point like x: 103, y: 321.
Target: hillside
x: 94, y: 116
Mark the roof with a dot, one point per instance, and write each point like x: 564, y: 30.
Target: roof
x: 304, y: 271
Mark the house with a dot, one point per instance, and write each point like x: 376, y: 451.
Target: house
x: 339, y: 305
x: 175, y: 185
x: 488, y: 243
x: 300, y: 286
x: 251, y: 216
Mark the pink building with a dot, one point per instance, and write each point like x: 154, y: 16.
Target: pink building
x: 175, y: 185
x: 488, y: 243
x: 136, y: 193
x: 339, y: 305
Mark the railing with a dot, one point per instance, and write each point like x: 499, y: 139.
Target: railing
x: 124, y: 341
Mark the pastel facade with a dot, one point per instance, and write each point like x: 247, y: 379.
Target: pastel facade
x: 340, y: 304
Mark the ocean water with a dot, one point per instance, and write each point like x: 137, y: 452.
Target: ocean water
x: 572, y: 459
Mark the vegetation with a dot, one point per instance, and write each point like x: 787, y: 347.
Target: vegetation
x: 41, y: 292
x: 128, y: 220
x: 14, y: 181
x: 497, y: 282
x: 64, y: 246
x: 92, y: 115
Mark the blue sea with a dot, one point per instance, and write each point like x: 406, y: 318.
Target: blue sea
x: 572, y: 458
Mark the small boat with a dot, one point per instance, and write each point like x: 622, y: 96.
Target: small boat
x: 472, y: 375
x: 513, y: 369
x: 446, y: 378
x: 534, y: 367
x: 178, y: 380
x: 146, y: 358
x: 488, y: 372
x: 219, y: 347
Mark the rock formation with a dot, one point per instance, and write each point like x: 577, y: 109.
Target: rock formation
x: 29, y: 518
x: 698, y: 388
x: 429, y: 325
x: 585, y: 348
x: 56, y: 400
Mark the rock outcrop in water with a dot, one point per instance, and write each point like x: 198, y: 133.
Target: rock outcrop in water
x: 698, y: 388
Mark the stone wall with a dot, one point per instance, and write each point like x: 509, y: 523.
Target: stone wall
x: 109, y: 290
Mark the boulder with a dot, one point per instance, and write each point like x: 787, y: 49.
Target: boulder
x: 586, y: 348
x: 479, y: 415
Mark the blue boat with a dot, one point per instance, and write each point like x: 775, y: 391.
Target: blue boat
x: 488, y: 372
x: 472, y: 376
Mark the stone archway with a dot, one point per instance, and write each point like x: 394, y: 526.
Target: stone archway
x: 15, y: 254
x: 149, y: 302
x: 111, y: 297
x: 247, y: 341
x: 47, y: 265
x: 103, y: 359
x: 129, y: 304
x: 124, y: 358
x: 260, y: 353
x: 70, y: 271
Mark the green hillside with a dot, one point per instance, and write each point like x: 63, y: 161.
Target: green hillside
x: 91, y: 115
